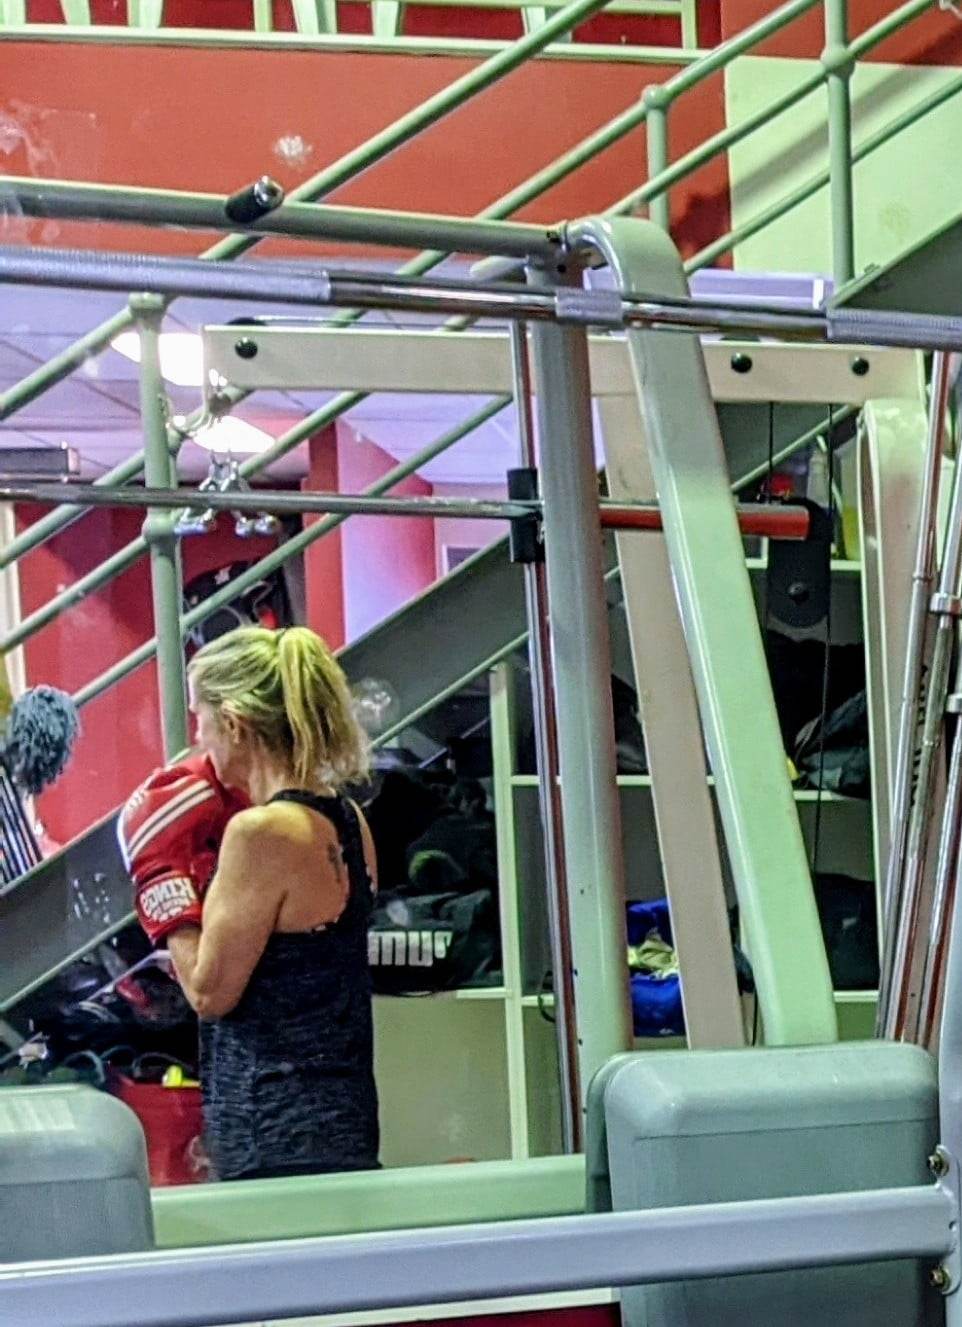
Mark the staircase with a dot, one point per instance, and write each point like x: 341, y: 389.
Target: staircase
x: 80, y: 897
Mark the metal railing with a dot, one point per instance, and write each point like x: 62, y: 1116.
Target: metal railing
x: 319, y: 18
x: 302, y: 211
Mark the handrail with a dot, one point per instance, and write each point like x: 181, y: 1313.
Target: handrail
x: 71, y: 358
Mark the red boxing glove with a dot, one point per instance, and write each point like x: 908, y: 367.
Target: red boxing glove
x: 169, y: 834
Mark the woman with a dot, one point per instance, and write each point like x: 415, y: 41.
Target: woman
x: 278, y: 970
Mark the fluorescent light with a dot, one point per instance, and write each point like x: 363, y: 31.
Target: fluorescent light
x: 181, y: 355
x: 231, y: 434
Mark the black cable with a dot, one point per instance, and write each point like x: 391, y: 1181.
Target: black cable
x: 826, y: 666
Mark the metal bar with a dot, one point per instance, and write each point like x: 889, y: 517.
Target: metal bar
x: 271, y: 561
x: 884, y: 29
x: 165, y: 571
x: 502, y: 710
x: 581, y: 659
x: 946, y: 871
x: 549, y: 787
x: 769, y: 520
x: 267, y: 40
x: 684, y: 813
x: 943, y: 608
x: 272, y: 281
x: 837, y: 62
x: 903, y: 773
x: 769, y: 869
x: 338, y: 1274
x: 263, y: 15
x: 659, y: 208
x: 76, y: 201
x: 295, y: 504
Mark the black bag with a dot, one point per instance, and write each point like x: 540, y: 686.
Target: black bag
x: 839, y: 759
x: 419, y: 944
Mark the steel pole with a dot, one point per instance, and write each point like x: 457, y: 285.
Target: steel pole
x: 945, y: 606
x: 901, y: 791
x: 165, y: 574
x: 658, y: 103
x: 73, y: 200
x: 581, y: 660
x: 946, y: 873
x: 549, y: 787
x: 837, y: 62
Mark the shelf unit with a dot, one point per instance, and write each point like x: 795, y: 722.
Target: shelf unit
x: 490, y: 1052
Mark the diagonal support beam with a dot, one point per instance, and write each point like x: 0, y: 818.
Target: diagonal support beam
x: 765, y: 846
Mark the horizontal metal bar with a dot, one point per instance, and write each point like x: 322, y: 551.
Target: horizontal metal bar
x: 222, y: 38
x: 283, y: 283
x: 278, y: 503
x: 765, y: 520
x: 346, y: 1273
x: 773, y: 520
x: 382, y: 359
x: 73, y: 200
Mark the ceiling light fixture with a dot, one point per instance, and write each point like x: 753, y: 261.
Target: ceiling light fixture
x: 181, y: 355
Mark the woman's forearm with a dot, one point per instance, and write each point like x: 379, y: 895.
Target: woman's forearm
x: 183, y: 946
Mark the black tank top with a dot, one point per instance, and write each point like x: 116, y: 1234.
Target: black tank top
x: 287, y: 1076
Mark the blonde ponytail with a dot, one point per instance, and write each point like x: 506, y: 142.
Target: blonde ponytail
x: 291, y: 692
x: 325, y: 734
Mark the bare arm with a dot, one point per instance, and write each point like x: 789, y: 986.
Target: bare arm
x: 214, y: 964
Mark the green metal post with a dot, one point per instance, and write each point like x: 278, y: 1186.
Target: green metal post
x: 159, y: 471
x: 581, y: 662
x: 838, y: 64
x: 658, y: 103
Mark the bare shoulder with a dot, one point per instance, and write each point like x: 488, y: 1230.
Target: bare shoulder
x: 263, y: 823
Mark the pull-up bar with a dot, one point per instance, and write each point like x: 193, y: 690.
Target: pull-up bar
x: 764, y: 520
x: 285, y: 283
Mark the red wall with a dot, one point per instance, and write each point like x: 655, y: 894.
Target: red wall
x: 120, y: 742
x: 186, y: 118
x: 387, y: 560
